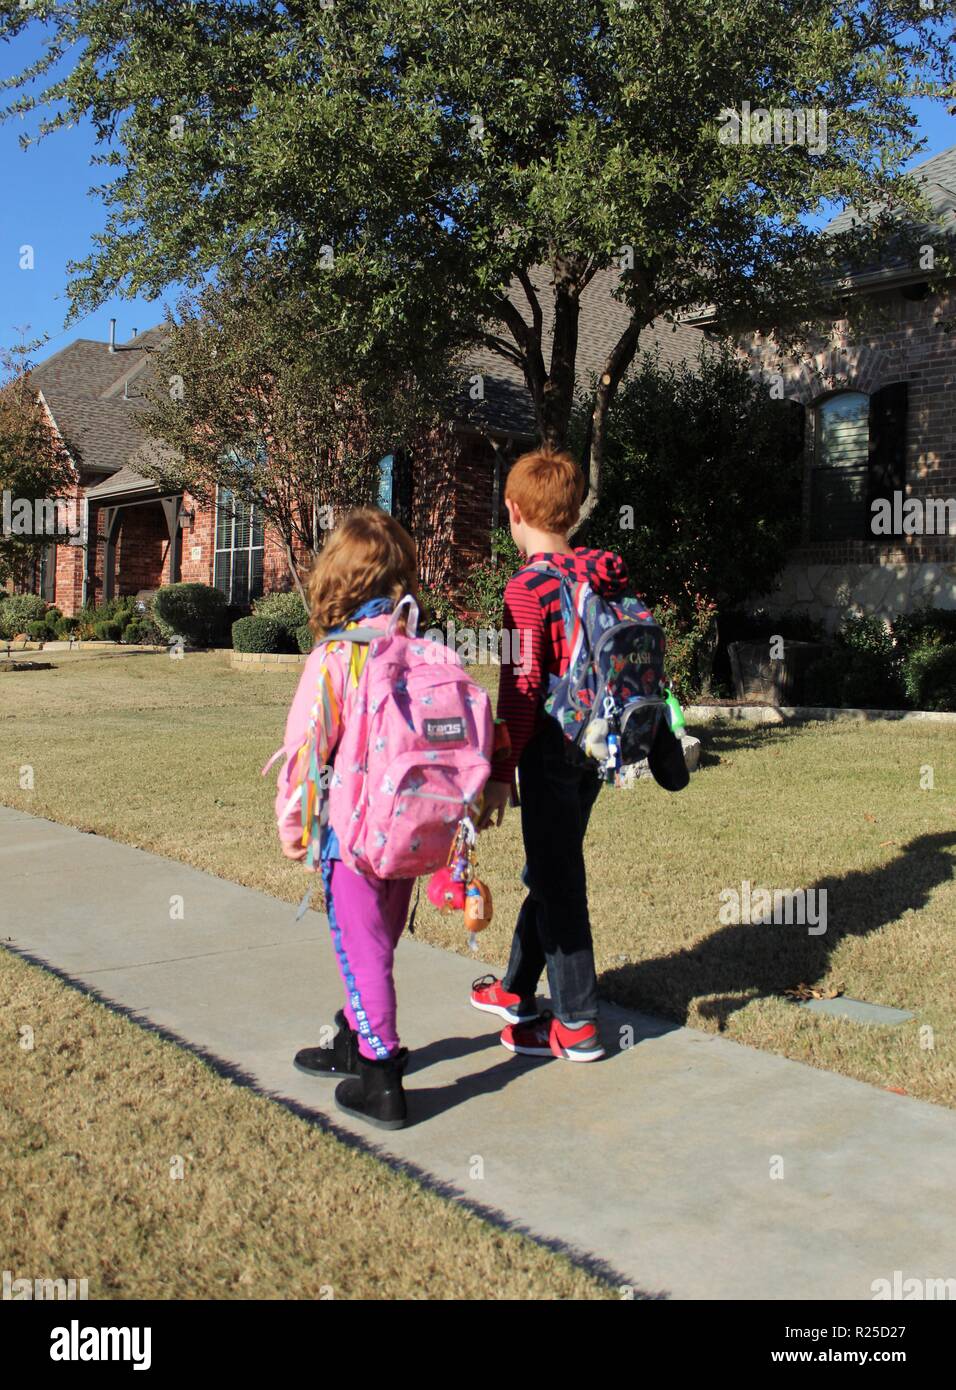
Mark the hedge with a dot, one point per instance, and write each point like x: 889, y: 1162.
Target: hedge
x: 286, y: 609
x: 194, y: 612
x: 929, y: 674
x: 255, y: 634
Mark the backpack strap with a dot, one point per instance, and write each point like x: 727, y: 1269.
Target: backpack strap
x: 357, y: 634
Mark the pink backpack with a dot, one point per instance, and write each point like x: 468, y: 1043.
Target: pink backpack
x: 414, y: 755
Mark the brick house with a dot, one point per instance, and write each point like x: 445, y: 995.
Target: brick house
x: 879, y: 414
x: 446, y: 487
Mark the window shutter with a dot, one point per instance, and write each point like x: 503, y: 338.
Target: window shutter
x: 48, y: 573
x: 795, y: 425
x: 402, y: 488
x: 887, y: 457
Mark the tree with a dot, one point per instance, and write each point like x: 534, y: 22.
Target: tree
x: 410, y: 160
x: 701, y: 487
x: 36, y: 475
x: 250, y: 399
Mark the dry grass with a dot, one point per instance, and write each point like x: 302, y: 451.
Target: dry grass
x: 93, y: 1120
x: 166, y: 754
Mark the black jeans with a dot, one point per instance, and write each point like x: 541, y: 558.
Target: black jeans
x: 554, y: 929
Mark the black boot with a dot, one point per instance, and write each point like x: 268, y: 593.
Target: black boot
x: 341, y: 1059
x: 377, y: 1095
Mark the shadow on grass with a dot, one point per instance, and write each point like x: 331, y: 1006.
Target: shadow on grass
x: 422, y: 1105
x: 747, y: 961
x: 720, y: 741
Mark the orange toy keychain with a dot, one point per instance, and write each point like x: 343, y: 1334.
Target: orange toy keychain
x: 457, y: 888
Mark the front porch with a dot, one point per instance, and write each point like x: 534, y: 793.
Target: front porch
x: 135, y: 539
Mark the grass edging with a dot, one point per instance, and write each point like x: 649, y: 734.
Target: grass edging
x: 783, y: 714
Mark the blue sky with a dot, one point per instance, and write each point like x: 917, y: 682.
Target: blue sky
x: 47, y: 205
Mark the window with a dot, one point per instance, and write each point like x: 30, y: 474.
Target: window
x: 842, y: 447
x: 239, y: 548
x: 394, y: 493
x: 860, y: 455
x: 386, y: 482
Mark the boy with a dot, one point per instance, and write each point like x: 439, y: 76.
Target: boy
x: 543, y: 494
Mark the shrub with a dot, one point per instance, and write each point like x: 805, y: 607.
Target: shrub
x: 66, y: 627
x: 305, y: 638
x: 286, y: 609
x: 121, y: 610
x: 855, y: 678
x: 927, y: 627
x: 133, y: 633
x: 484, y: 590
x: 191, y: 611
x: 38, y: 632
x: 929, y: 674
x: 255, y: 634
x: 19, y: 611
x: 866, y: 634
x: 437, y: 607
x: 863, y: 672
x: 150, y: 631
x: 108, y: 631
x: 689, y: 651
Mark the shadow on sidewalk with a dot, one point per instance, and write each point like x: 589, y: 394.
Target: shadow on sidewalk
x: 747, y: 961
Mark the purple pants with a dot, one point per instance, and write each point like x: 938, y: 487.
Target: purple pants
x: 366, y: 917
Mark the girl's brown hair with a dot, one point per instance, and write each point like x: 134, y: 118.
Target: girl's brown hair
x: 368, y: 555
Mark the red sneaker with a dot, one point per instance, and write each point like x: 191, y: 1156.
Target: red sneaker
x: 488, y: 995
x: 549, y: 1037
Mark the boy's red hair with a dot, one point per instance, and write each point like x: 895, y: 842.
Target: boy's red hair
x: 368, y: 555
x: 548, y: 487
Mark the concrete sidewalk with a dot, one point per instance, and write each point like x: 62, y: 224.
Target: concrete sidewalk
x: 657, y: 1162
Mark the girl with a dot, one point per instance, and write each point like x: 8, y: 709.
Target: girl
x: 368, y: 563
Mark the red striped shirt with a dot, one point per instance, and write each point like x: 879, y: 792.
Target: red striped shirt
x: 533, y: 610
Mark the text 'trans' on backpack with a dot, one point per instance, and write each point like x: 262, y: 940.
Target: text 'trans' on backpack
x: 610, y: 701
x: 414, y: 755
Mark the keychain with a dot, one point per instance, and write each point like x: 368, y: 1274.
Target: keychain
x: 457, y: 888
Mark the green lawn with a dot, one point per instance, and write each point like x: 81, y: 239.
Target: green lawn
x: 166, y: 755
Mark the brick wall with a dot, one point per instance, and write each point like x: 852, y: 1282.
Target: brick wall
x: 905, y: 340
x: 143, y: 550
x: 70, y: 563
x: 198, y: 542
x: 453, y: 482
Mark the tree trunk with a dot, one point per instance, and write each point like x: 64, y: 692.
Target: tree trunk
x: 618, y: 361
x: 294, y: 571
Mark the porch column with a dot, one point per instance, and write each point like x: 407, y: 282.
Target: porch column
x: 172, y: 506
x: 111, y: 517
